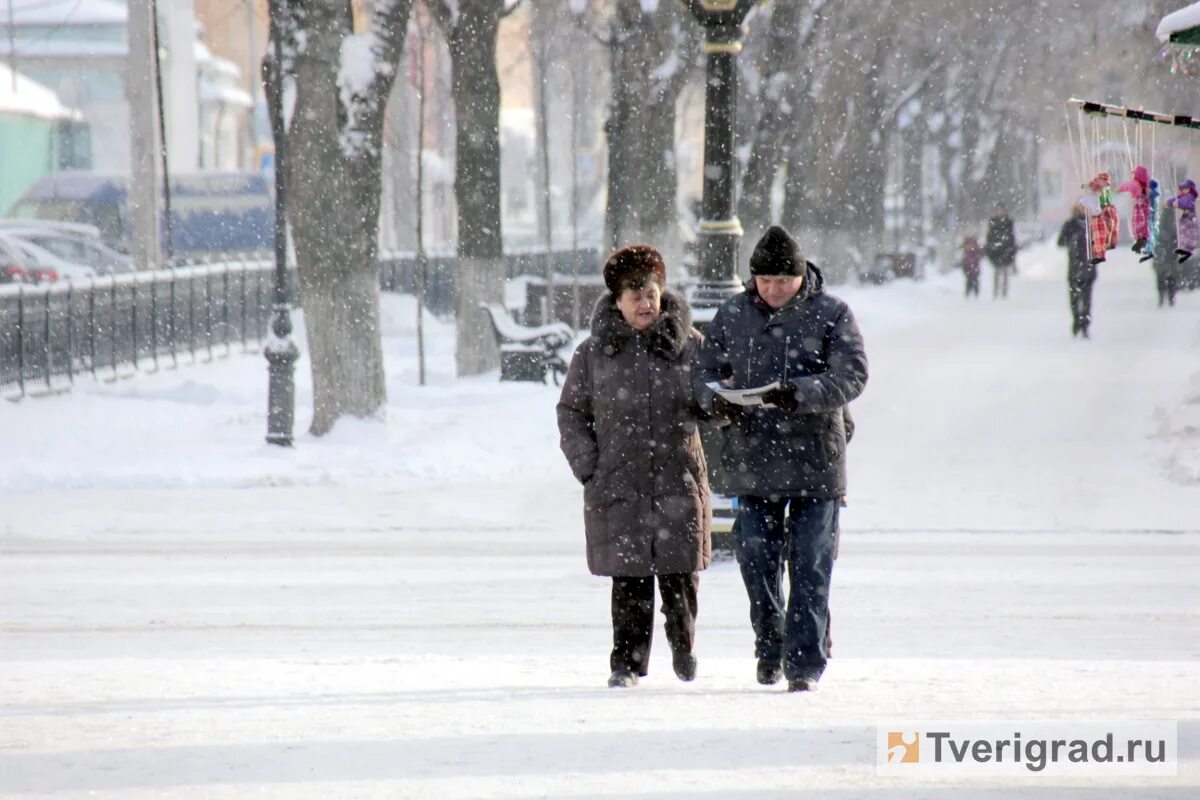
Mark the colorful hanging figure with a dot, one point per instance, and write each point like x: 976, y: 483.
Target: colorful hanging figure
x: 1138, y: 187
x: 1152, y: 224
x: 1097, y: 227
x: 1189, y: 229
x: 1111, y: 221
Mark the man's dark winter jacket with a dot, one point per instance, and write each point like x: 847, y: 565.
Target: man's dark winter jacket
x: 814, y: 344
x: 627, y: 420
x: 1001, y: 243
x: 1073, y: 236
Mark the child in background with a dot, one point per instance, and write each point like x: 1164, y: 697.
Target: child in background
x: 972, y: 255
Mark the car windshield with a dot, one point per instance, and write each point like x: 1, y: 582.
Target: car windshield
x: 63, y: 248
x: 105, y: 216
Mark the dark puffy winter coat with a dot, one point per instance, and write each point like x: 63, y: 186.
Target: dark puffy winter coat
x: 1001, y: 243
x: 627, y: 420
x: 1073, y: 236
x: 814, y: 344
x: 1166, y: 262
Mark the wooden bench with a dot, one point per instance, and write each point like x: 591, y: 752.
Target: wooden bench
x: 528, y: 353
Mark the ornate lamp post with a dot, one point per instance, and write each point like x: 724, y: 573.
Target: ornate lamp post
x: 281, y: 351
x: 720, y: 230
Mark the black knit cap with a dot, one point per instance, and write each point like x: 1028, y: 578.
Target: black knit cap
x: 777, y: 253
x: 633, y: 265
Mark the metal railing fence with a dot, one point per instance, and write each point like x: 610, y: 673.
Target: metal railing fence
x: 49, y: 335
x: 112, y: 326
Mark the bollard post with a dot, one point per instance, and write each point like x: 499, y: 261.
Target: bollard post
x: 21, y: 340
x: 70, y: 335
x: 48, y: 363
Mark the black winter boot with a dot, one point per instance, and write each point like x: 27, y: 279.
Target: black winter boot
x: 622, y: 678
x: 685, y: 666
x: 769, y: 672
x: 802, y: 685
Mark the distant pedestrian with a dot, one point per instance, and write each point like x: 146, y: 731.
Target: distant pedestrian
x: 972, y: 255
x: 1168, y: 272
x: 1001, y: 249
x: 1081, y: 272
x: 627, y: 421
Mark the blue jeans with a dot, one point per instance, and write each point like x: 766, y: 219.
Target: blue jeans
x: 764, y: 538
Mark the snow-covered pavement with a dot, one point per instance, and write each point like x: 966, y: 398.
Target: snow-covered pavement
x: 403, y: 610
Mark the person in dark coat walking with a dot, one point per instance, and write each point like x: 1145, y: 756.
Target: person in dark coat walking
x: 627, y: 419
x: 1000, y: 245
x: 785, y: 459
x: 1167, y: 269
x: 1081, y: 272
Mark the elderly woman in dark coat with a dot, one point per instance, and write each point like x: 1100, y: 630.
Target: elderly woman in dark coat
x: 627, y: 419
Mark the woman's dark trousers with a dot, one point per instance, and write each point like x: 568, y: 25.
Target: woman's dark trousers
x: 633, y: 617
x: 802, y: 532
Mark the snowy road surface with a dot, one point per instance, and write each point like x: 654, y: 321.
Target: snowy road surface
x: 403, y: 610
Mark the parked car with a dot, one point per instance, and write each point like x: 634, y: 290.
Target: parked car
x: 12, y: 265
x: 75, y: 228
x: 42, y: 266
x: 75, y: 248
x: 218, y: 212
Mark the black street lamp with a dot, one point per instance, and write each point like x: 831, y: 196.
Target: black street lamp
x: 280, y: 350
x: 720, y: 231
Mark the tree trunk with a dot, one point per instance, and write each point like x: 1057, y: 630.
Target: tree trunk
x: 780, y: 71
x: 334, y: 163
x: 476, y: 89
x: 642, y: 176
x: 342, y: 320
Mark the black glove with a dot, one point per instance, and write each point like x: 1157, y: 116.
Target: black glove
x: 783, y: 397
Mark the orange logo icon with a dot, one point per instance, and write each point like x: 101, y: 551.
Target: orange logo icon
x: 903, y: 748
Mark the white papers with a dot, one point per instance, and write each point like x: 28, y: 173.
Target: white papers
x: 743, y: 397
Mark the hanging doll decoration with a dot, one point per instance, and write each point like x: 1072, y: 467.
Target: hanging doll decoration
x: 1189, y: 229
x: 1138, y: 187
x: 1152, y: 223
x: 1111, y: 221
x: 1097, y: 227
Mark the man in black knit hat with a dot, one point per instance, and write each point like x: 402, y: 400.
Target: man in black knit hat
x: 785, y: 459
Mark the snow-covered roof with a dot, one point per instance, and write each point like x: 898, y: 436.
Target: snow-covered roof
x: 63, y: 12
x: 30, y: 98
x: 1181, y: 20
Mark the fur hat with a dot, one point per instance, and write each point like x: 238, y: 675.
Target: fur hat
x: 777, y: 253
x: 634, y: 264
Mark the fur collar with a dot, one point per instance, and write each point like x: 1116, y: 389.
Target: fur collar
x: 666, y: 337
